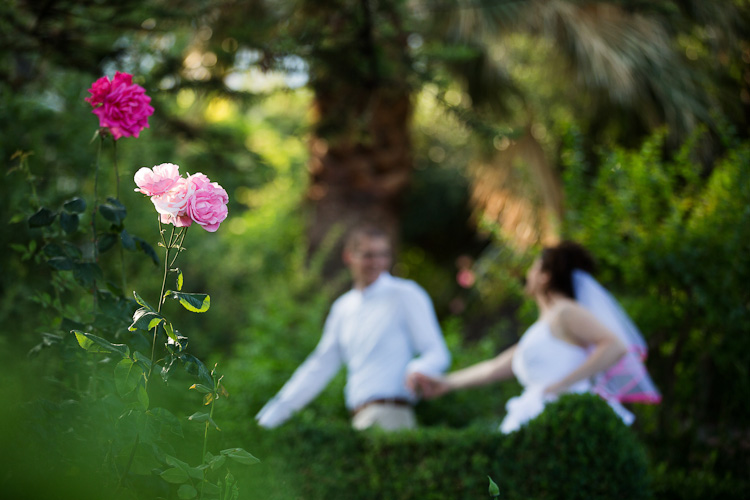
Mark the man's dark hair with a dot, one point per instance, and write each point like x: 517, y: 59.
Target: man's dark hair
x: 356, y: 234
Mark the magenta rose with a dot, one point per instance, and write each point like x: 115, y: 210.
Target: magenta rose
x: 156, y: 181
x: 172, y: 205
x: 208, y: 204
x: 122, y: 106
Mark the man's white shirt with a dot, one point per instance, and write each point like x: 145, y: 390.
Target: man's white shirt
x: 381, y: 334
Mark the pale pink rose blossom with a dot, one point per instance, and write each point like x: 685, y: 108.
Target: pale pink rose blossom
x: 122, y: 106
x: 158, y: 180
x: 208, y: 205
x: 182, y: 201
x: 172, y: 205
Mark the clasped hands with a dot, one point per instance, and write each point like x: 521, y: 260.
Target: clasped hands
x: 430, y: 387
x: 426, y: 386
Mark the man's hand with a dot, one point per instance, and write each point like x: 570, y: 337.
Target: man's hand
x: 426, y: 386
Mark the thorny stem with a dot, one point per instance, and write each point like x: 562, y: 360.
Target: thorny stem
x: 117, y: 196
x: 93, y: 213
x: 167, y: 246
x: 205, y: 438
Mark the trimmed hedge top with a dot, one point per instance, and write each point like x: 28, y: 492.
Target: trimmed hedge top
x: 576, y: 449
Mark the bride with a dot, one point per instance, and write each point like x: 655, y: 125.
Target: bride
x: 581, y: 342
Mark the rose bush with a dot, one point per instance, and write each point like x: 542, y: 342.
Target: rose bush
x: 122, y: 107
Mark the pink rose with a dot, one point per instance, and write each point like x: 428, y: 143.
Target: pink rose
x: 208, y: 204
x: 122, y: 106
x: 157, y: 181
x: 172, y: 205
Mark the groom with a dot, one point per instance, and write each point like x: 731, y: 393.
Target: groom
x: 384, y: 330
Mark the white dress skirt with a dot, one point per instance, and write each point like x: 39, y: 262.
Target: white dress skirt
x: 541, y: 359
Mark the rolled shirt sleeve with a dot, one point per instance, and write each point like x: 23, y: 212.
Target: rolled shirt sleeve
x: 312, y: 376
x: 433, y: 355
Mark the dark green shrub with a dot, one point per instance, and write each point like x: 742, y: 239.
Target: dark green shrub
x: 576, y: 449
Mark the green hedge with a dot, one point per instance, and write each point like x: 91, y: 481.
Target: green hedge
x: 576, y: 449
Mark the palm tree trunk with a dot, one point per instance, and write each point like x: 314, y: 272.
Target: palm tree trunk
x: 360, y: 151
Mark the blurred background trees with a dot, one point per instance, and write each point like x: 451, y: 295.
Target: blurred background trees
x: 474, y: 130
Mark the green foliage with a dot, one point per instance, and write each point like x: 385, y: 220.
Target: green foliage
x: 674, y: 255
x: 577, y: 449
x: 669, y: 235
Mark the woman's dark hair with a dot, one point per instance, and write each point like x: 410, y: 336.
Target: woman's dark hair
x: 560, y: 260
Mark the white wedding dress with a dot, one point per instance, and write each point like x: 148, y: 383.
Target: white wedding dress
x: 541, y: 359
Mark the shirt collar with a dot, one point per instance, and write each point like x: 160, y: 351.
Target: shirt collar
x: 381, y: 281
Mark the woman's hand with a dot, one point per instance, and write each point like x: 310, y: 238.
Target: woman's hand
x: 553, y: 390
x: 426, y: 386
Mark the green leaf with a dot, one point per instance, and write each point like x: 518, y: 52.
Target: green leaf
x: 186, y: 492
x: 210, y: 489
x: 143, y: 461
x: 17, y: 218
x: 92, y: 343
x: 194, y: 302
x: 193, y: 472
x: 61, y: 263
x: 170, y: 332
x: 179, y: 280
x: 231, y: 491
x: 494, y: 490
x: 75, y: 206
x: 43, y: 217
x: 127, y: 376
x: 142, y: 302
x: 201, y: 388
x: 240, y: 455
x: 166, y: 420
x: 72, y: 250
x: 196, y: 473
x: 176, y: 462
x: 128, y: 243
x: 147, y: 249
x: 145, y: 320
x: 53, y: 250
x: 142, y: 359
x: 114, y: 211
x: 175, y: 475
x: 142, y: 395
x: 106, y: 242
x: 68, y: 222
x: 203, y: 417
x: 199, y: 416
x: 86, y: 273
x: 195, y: 366
x: 216, y: 462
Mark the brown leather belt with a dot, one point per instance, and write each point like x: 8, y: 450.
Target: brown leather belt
x: 381, y: 401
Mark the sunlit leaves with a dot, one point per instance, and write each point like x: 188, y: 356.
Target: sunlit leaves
x: 494, y: 490
x: 145, y: 319
x: 142, y: 302
x: 194, y: 302
x: 92, y: 343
